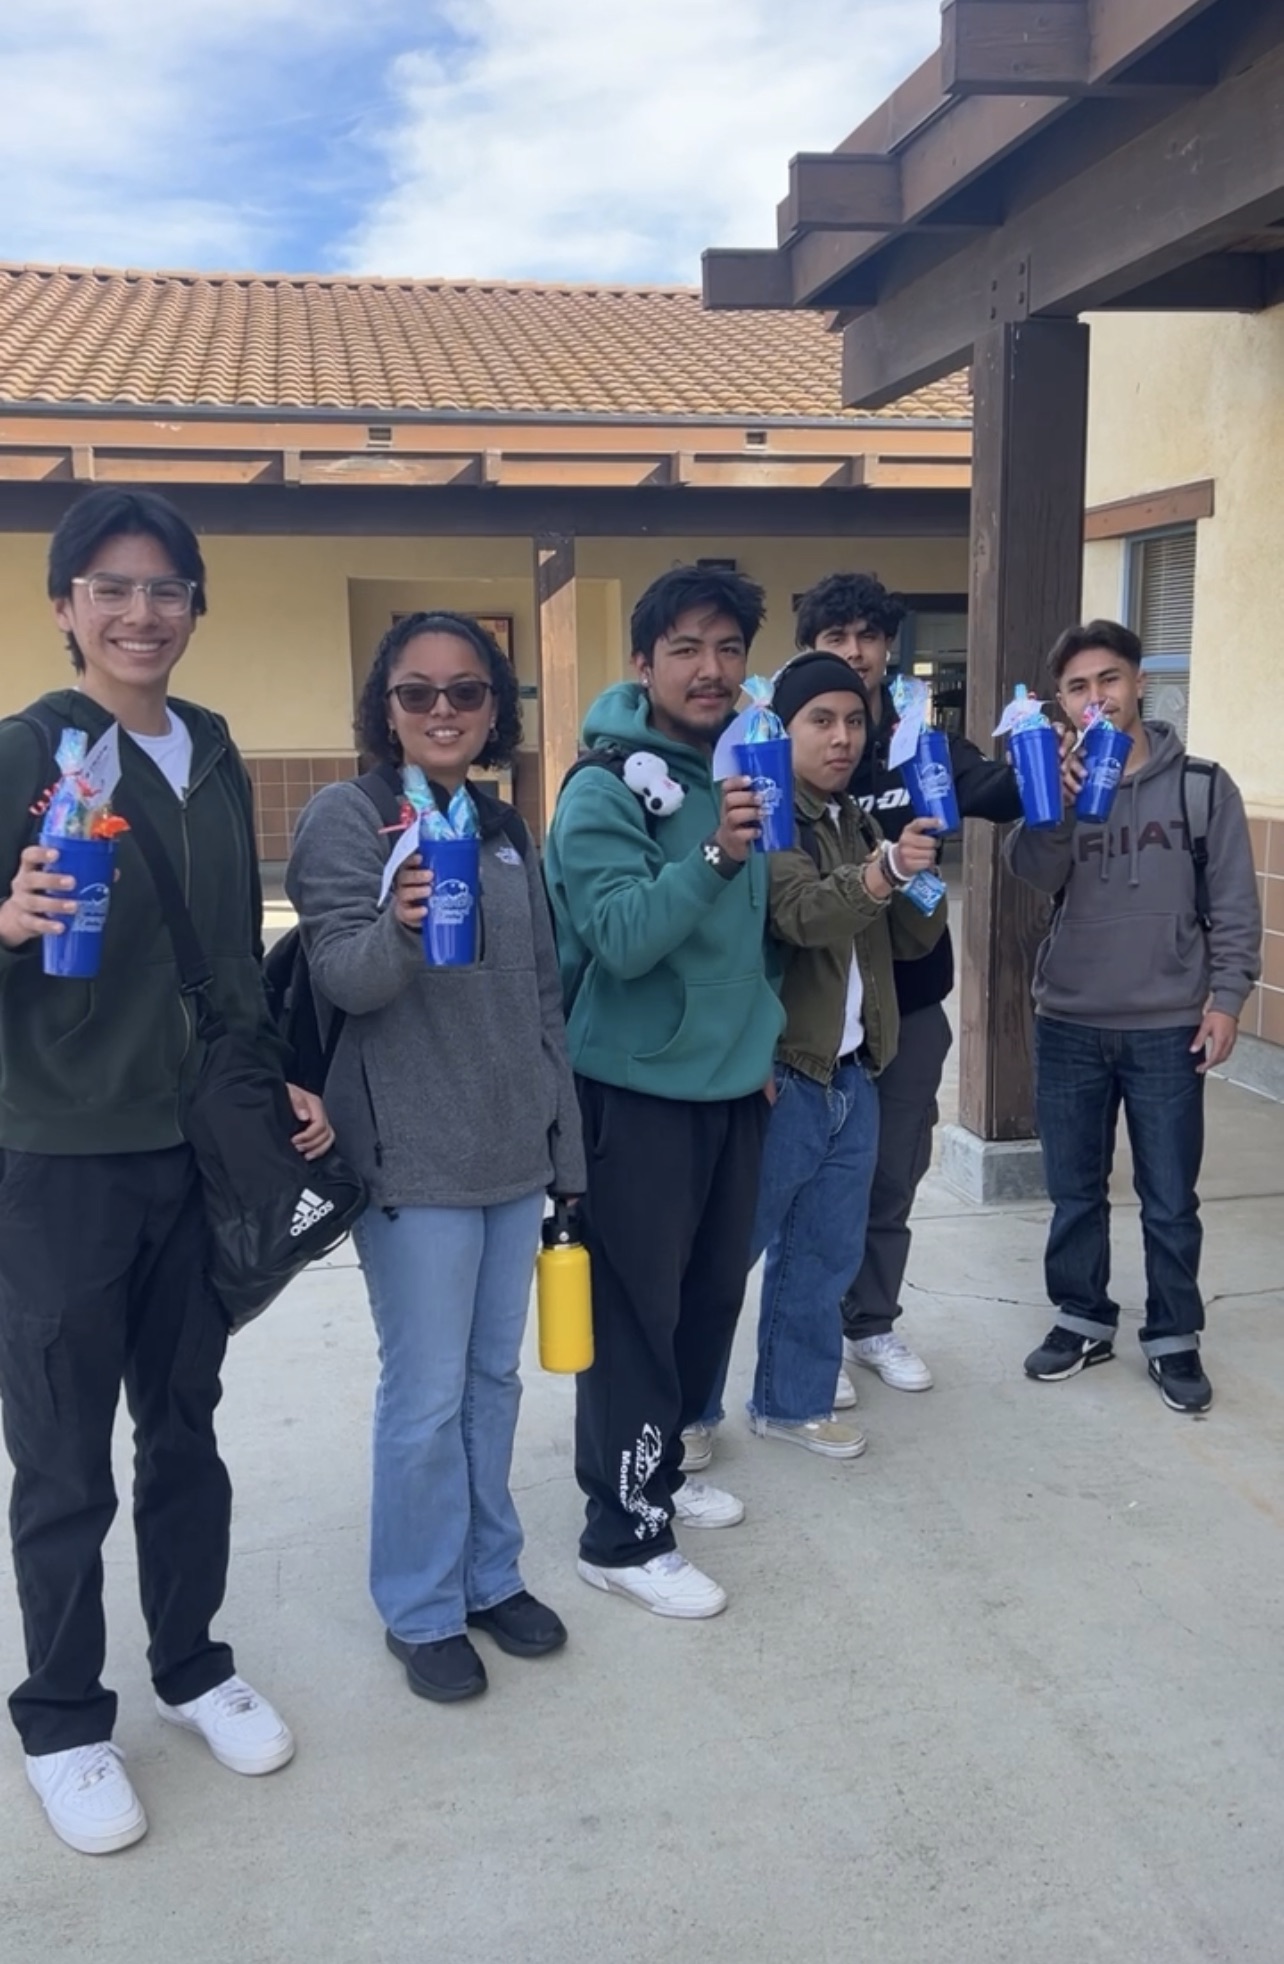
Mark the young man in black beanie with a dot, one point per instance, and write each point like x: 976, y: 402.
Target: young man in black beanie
x: 838, y: 912
x: 852, y: 615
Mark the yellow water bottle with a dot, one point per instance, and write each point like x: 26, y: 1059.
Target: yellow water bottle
x: 564, y: 1290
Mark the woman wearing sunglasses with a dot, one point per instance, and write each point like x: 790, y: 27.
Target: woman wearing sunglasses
x: 451, y: 1091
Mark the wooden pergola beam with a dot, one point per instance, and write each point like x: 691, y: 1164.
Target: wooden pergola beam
x: 943, y: 145
x: 1204, y: 178
x: 1015, y: 47
x: 848, y: 193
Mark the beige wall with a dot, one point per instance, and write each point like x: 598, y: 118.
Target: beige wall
x: 1176, y: 399
x: 294, y: 621
x: 782, y: 567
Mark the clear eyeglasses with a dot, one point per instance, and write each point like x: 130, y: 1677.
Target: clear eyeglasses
x: 111, y: 594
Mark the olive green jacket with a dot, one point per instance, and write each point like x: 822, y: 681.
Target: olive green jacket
x: 819, y: 915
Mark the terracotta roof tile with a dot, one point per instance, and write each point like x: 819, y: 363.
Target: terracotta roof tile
x: 248, y: 340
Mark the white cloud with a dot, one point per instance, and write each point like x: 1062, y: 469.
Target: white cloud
x: 124, y: 129
x: 574, y: 139
x: 582, y: 140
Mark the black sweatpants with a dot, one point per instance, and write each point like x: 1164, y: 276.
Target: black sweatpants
x: 668, y: 1215
x: 907, y: 1115
x: 102, y: 1282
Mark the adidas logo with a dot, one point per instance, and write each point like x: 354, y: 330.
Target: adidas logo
x: 309, y: 1209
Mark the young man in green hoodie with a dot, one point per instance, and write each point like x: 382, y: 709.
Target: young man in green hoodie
x: 1136, y: 998
x: 661, y: 908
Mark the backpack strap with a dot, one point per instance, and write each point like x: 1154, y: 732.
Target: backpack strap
x: 47, y: 730
x: 609, y: 757
x: 1198, y: 785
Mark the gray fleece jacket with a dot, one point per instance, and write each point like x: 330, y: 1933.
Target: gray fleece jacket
x: 451, y: 1087
x: 1125, y: 950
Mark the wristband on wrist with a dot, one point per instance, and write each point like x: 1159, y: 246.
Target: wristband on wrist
x: 892, y: 867
x: 722, y: 862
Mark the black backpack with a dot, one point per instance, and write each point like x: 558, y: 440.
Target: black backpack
x: 287, y: 979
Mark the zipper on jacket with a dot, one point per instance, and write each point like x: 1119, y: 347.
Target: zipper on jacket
x: 374, y: 1122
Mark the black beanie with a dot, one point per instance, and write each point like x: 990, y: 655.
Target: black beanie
x: 812, y: 675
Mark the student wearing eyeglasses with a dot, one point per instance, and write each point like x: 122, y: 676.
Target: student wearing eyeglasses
x: 451, y: 1091
x: 102, y: 1221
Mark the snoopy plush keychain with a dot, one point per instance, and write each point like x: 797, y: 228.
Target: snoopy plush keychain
x: 647, y: 779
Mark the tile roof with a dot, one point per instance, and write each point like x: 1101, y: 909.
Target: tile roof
x: 248, y: 340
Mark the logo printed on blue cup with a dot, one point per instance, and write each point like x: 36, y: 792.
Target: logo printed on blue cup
x: 936, y: 781
x: 91, y: 909
x: 451, y: 903
x: 768, y: 793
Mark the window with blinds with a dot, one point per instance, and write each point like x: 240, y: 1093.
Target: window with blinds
x: 1161, y: 582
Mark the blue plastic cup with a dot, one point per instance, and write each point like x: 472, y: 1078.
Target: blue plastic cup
x: 1036, y: 759
x: 1105, y: 756
x: 929, y: 780
x: 769, y: 766
x: 450, y: 926
x: 78, y: 952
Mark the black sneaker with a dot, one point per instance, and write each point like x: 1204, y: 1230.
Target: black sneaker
x: 445, y: 1671
x: 1063, y: 1353
x: 521, y: 1625
x: 1182, y: 1384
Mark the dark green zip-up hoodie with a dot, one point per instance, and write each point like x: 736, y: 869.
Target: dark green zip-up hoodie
x: 662, y: 958
x: 99, y: 1066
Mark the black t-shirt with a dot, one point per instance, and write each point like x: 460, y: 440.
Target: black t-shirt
x: 984, y: 788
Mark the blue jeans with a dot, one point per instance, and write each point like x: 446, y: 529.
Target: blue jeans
x: 813, y: 1203
x: 1082, y: 1077
x: 449, y: 1289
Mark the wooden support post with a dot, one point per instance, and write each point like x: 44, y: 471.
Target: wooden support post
x: 559, y: 703
x: 1030, y: 383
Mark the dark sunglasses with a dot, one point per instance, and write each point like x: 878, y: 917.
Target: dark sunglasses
x: 420, y: 698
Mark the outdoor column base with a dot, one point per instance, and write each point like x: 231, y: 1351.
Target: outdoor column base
x: 988, y: 1171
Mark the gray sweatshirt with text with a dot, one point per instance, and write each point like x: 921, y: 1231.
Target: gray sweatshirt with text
x: 1125, y: 950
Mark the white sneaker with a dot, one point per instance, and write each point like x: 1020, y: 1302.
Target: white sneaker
x: 894, y: 1361
x: 697, y: 1448
x: 844, y: 1394
x: 667, y: 1585
x: 825, y: 1436
x: 87, y: 1798
x: 696, y: 1504
x: 240, y: 1728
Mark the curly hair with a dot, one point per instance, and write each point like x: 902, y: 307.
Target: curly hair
x: 842, y: 598
x: 371, y: 724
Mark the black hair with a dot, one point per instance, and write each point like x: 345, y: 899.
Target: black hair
x: 104, y: 514
x: 1120, y: 640
x: 375, y: 739
x: 685, y: 587
x: 841, y: 598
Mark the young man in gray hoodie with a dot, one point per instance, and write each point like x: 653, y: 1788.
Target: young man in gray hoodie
x: 1138, y: 990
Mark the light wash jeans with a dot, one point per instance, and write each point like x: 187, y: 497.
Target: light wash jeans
x: 449, y: 1290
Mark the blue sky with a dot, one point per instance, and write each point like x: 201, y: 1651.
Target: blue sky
x: 515, y: 139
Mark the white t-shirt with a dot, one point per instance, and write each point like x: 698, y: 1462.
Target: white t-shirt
x: 853, y: 1017
x: 171, y: 753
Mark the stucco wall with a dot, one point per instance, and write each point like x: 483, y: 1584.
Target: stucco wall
x: 294, y: 621
x: 1176, y: 399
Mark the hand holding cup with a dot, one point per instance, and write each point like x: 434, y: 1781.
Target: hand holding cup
x: 35, y: 905
x: 916, y: 849
x: 741, y: 820
x: 411, y: 892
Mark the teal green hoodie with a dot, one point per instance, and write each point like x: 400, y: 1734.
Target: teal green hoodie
x: 662, y: 958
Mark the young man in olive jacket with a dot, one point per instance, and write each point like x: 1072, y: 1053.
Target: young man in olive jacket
x: 854, y: 616
x: 839, y: 914
x: 102, y: 1226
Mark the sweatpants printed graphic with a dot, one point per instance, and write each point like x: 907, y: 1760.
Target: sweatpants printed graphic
x: 636, y: 1470
x: 667, y: 1217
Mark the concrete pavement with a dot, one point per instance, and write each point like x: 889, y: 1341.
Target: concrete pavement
x: 1008, y: 1690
